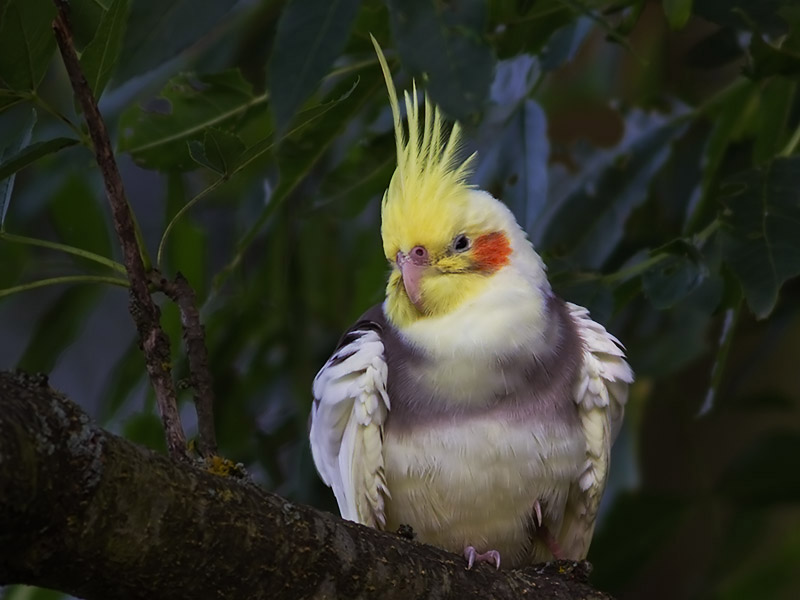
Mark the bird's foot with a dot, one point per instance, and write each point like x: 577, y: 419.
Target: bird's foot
x: 472, y: 556
x: 543, y: 533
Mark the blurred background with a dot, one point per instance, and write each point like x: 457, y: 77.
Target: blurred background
x: 649, y: 148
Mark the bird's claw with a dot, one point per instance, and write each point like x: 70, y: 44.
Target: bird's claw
x: 537, y: 512
x: 472, y: 556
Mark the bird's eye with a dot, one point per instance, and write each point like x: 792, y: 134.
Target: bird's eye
x: 461, y: 243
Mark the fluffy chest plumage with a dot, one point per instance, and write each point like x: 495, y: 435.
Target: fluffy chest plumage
x: 474, y: 480
x: 471, y: 443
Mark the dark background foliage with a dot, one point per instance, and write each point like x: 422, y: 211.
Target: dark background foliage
x: 650, y: 149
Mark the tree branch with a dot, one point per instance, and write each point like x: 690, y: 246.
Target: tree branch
x: 194, y: 337
x: 89, y: 513
x: 153, y: 340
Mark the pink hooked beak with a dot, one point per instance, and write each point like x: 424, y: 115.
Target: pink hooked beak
x: 412, y: 265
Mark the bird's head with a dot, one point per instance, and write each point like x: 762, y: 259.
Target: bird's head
x: 445, y: 239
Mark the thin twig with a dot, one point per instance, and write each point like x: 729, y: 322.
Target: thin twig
x: 183, y: 295
x: 153, y: 340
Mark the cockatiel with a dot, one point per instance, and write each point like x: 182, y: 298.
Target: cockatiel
x: 473, y: 404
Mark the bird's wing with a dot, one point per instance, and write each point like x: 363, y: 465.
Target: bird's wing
x: 347, y: 417
x: 601, y: 391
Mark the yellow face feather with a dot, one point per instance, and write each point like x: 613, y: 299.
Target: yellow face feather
x: 429, y: 204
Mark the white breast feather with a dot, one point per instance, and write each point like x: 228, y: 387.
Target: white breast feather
x: 347, y: 427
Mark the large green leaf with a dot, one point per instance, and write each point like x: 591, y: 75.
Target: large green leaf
x: 765, y: 13
x: 761, y: 243
x: 123, y: 379
x: 310, y: 35
x: 678, y: 12
x: 679, y: 271
x: 30, y: 154
x: 58, y: 327
x: 588, y: 224
x: 159, y: 30
x: 513, y: 149
x: 26, y: 42
x: 443, y: 45
x: 85, y: 18
x: 78, y: 217
x: 768, y: 60
x: 100, y: 56
x: 157, y: 135
x: 304, y: 147
x: 219, y: 151
x: 773, y: 119
x: 7, y: 154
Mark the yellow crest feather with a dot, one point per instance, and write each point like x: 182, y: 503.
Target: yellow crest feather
x: 429, y: 184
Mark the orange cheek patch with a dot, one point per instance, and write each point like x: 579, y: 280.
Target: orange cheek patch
x: 491, y: 251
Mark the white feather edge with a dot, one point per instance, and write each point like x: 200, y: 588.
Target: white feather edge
x: 347, y: 428
x: 601, y: 393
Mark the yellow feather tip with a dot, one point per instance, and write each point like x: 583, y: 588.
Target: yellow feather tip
x: 429, y: 175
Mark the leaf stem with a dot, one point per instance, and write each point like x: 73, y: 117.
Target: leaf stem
x: 21, y: 239
x: 723, y: 348
x: 634, y: 270
x: 792, y: 143
x: 64, y: 279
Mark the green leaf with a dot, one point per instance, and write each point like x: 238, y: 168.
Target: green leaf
x: 123, y: 378
x: 25, y: 592
x: 26, y: 42
x: 765, y: 13
x: 588, y: 224
x: 768, y: 60
x: 79, y: 219
x: 145, y: 428
x: 58, y: 327
x: 362, y: 175
x: 159, y: 30
x: 100, y: 56
x: 85, y: 17
x: 157, y: 136
x: 30, y: 154
x: 220, y: 151
x: 773, y: 119
x: 311, y: 34
x: 678, y: 12
x: 674, y: 277
x: 564, y: 44
x: 300, y: 152
x: 6, y: 153
x: 442, y: 44
x: 765, y: 473
x: 761, y: 244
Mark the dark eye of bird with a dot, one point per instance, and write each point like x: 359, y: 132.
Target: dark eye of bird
x: 461, y: 243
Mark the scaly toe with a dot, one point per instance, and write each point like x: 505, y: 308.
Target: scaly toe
x: 472, y: 556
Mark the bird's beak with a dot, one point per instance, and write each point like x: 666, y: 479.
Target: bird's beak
x: 412, y: 266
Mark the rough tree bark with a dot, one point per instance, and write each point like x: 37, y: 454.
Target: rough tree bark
x: 90, y: 513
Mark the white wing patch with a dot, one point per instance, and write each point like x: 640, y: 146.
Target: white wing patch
x: 601, y: 393
x: 347, y: 417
